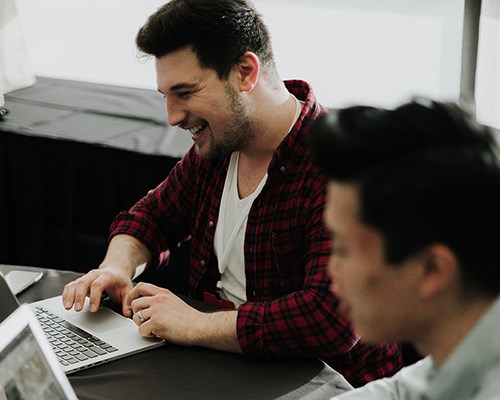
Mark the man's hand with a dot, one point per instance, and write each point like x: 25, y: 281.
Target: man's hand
x: 117, y: 283
x: 165, y: 315
x: 125, y: 254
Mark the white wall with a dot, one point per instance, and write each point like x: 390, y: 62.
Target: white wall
x: 372, y: 51
x: 488, y: 68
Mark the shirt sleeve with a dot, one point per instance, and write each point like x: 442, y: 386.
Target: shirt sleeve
x: 151, y: 219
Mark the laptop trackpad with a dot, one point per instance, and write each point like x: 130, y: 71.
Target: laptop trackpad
x: 102, y: 321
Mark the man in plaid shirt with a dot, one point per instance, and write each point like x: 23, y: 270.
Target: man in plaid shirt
x: 247, y: 196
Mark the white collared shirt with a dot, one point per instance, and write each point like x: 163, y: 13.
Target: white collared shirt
x: 472, y: 372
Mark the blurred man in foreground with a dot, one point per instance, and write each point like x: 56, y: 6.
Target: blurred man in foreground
x: 414, y: 213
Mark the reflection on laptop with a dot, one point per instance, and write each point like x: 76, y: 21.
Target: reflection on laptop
x: 28, y: 368
x: 81, y: 339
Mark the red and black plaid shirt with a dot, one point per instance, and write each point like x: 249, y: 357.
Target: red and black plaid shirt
x: 289, y: 309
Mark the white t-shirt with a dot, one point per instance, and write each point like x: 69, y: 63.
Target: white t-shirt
x: 230, y: 234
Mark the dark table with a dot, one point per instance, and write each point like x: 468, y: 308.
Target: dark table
x: 174, y: 372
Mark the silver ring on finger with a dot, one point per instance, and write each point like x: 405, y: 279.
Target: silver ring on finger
x: 139, y: 316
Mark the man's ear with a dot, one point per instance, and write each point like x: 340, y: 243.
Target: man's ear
x: 440, y: 270
x: 248, y: 70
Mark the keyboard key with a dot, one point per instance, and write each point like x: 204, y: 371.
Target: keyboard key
x: 89, y: 353
x: 70, y: 343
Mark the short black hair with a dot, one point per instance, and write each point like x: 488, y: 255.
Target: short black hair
x: 219, y: 32
x: 427, y: 172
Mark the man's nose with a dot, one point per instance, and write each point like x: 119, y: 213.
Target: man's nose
x: 175, y: 112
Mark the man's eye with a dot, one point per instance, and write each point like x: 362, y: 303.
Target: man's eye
x: 184, y: 95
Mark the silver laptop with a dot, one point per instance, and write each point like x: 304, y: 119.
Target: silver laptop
x: 81, y: 339
x: 29, y: 369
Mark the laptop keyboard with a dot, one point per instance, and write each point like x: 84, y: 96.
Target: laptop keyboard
x: 70, y: 343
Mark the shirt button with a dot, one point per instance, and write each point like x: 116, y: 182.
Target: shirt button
x: 282, y: 169
x: 211, y: 224
x: 202, y: 263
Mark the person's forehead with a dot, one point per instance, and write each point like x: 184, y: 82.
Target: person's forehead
x: 342, y: 210
x: 178, y: 68
x: 343, y: 198
x: 343, y: 217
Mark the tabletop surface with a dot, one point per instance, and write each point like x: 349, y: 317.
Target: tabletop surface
x: 174, y: 372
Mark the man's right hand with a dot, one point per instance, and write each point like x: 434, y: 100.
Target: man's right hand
x: 125, y: 256
x: 115, y: 282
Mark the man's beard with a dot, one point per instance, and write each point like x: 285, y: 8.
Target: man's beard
x: 236, y: 137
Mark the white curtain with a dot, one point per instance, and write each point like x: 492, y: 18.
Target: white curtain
x: 15, y: 68
x: 488, y: 65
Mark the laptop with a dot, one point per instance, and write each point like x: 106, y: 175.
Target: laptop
x: 29, y: 369
x: 81, y: 339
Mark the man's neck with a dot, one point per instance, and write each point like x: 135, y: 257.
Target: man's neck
x: 445, y: 336
x: 275, y: 119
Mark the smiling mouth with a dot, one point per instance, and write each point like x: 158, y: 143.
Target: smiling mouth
x: 195, y: 130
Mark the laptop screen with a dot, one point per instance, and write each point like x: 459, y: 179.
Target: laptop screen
x: 25, y: 373
x: 9, y: 302
x: 29, y: 369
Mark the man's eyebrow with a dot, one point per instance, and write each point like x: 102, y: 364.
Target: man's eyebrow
x: 182, y: 86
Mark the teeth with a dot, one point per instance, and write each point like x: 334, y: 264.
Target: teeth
x: 196, y: 129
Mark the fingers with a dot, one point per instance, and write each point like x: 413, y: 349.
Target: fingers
x: 167, y: 316
x: 144, y: 301
x: 94, y: 284
x: 96, y: 289
x: 142, y: 290
x: 142, y: 318
x: 140, y: 304
x: 141, y: 315
x: 147, y: 330
x: 74, y: 293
